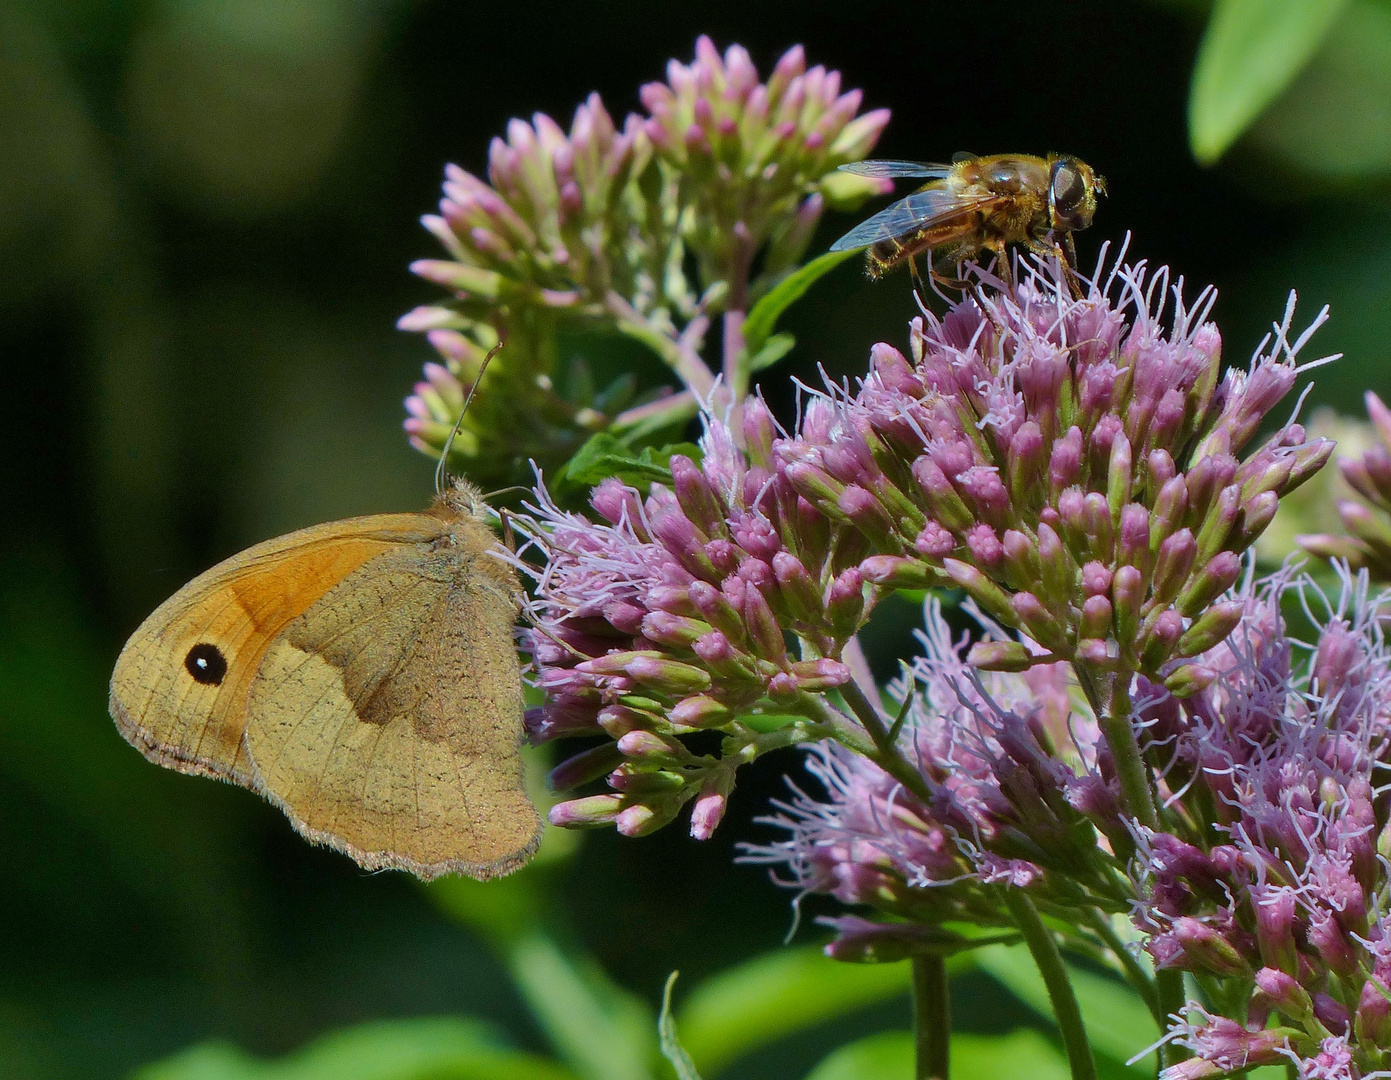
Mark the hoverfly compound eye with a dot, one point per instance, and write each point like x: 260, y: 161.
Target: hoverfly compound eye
x: 1070, y: 195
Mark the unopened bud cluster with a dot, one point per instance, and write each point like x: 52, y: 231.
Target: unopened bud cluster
x: 1074, y: 467
x: 757, y: 161
x: 590, y: 229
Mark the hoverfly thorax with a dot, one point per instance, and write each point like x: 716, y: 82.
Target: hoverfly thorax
x: 1072, y: 192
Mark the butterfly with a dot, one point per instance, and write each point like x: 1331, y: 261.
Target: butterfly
x: 362, y: 676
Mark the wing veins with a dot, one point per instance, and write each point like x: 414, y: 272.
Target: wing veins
x: 921, y: 210
x: 890, y: 168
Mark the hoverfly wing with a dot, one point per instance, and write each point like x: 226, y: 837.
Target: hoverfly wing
x: 925, y: 169
x: 931, y: 206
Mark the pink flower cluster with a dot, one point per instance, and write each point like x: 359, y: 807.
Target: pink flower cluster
x: 1270, y: 878
x: 1071, y: 463
x: 1019, y: 784
x: 671, y: 614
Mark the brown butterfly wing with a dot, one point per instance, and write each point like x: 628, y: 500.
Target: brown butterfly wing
x: 164, y: 697
x: 386, y: 719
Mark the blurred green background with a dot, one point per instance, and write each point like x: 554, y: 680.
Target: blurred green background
x: 206, y: 212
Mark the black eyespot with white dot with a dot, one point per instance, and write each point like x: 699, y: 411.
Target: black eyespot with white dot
x: 206, y: 664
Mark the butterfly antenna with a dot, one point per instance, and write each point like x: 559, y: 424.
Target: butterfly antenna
x: 442, y: 469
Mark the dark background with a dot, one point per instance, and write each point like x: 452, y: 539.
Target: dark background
x: 206, y: 213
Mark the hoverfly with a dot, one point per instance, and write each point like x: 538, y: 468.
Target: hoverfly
x: 975, y: 204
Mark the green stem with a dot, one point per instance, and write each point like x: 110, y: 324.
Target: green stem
x: 1050, y: 966
x: 931, y: 1018
x: 736, y: 375
x: 680, y: 354
x: 1125, y: 750
x: 886, y: 754
x: 1168, y: 983
x: 834, y: 724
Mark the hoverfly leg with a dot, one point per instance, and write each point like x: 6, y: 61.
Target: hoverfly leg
x: 934, y: 280
x: 1066, y: 254
x: 1004, y: 267
x: 918, y: 292
x: 959, y: 283
x: 1071, y: 249
x: 1070, y: 267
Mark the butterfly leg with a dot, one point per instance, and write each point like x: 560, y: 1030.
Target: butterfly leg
x: 508, y: 536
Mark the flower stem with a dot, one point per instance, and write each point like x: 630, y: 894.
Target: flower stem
x: 1125, y: 750
x: 663, y: 411
x: 1050, y: 965
x: 736, y: 375
x: 931, y: 1017
x: 886, y: 754
x: 1168, y: 984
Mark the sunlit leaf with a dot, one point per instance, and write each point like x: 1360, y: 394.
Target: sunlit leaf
x: 1117, y: 1021
x: 779, y: 993
x: 889, y: 1056
x: 1251, y: 51
x: 429, y: 1049
x: 596, y: 1027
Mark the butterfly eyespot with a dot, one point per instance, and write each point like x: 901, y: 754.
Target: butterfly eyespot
x: 206, y: 664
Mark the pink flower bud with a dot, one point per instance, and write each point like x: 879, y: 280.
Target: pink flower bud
x: 587, y: 812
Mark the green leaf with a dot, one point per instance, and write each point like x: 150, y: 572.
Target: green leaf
x: 672, y: 1049
x: 597, y: 1028
x: 758, y: 327
x: 1333, y: 125
x: 1251, y: 51
x: 441, y: 1048
x: 773, y: 350
x: 605, y: 455
x: 889, y: 1056
x: 1117, y: 1021
x: 774, y: 995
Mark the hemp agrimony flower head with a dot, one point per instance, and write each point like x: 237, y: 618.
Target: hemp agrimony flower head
x: 680, y: 613
x: 1071, y: 464
x: 589, y: 230
x: 1271, y: 885
x: 1367, y: 520
x: 1015, y: 776
x: 671, y: 616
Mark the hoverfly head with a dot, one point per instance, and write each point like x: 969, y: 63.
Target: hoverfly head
x: 1072, y: 191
